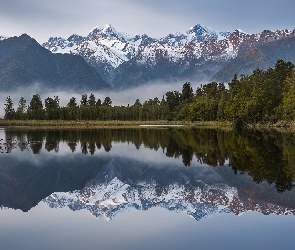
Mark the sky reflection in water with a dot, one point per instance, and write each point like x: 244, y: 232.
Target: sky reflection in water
x: 131, y: 180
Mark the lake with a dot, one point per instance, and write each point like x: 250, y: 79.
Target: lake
x: 146, y: 188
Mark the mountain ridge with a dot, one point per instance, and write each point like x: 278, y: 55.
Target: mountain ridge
x: 123, y: 61
x: 261, y: 56
x: 126, y: 60
x: 24, y: 61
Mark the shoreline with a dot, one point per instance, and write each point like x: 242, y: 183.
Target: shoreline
x: 60, y: 124
x: 55, y: 124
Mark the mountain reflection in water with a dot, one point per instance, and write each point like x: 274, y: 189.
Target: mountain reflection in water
x: 219, y: 172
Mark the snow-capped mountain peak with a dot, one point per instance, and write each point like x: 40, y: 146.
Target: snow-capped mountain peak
x: 2, y: 38
x: 116, y: 55
x: 198, y: 29
x: 241, y: 31
x: 107, y: 32
x: 196, y: 34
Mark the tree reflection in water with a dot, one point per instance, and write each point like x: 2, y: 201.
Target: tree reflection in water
x: 265, y: 155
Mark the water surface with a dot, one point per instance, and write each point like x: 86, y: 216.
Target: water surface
x: 147, y: 188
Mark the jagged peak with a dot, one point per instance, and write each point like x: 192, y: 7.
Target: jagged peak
x: 107, y: 26
x: 25, y: 35
x: 199, y: 29
x: 56, y: 38
x: 74, y: 35
x: 241, y: 31
x: 104, y: 29
x: 3, y: 37
x: 96, y: 28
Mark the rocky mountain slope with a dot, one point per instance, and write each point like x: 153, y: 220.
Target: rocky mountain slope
x: 126, y: 60
x: 23, y: 62
x: 260, y: 56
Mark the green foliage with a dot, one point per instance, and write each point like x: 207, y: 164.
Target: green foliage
x: 83, y: 101
x: 91, y: 100
x: 187, y: 93
x: 107, y: 101
x: 21, y: 109
x: 263, y: 97
x: 72, y: 103
x: 256, y: 98
x: 98, y: 103
x: 35, y: 110
x: 9, y: 110
x: 51, y: 108
x: 287, y: 107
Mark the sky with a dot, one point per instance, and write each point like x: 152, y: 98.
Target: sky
x: 42, y: 19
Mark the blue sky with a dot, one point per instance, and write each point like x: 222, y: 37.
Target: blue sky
x: 43, y: 18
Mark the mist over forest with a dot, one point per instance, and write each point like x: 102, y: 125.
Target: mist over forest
x: 118, y: 97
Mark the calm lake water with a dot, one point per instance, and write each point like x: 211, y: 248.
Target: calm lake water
x: 146, y: 188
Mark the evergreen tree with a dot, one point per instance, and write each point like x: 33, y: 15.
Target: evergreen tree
x: 91, y: 100
x: 107, y: 101
x: 22, y: 105
x: 84, y: 101
x: 35, y: 109
x: 9, y: 110
x: 98, y: 103
x: 72, y: 103
x: 21, y: 109
x: 187, y: 92
x: 51, y: 108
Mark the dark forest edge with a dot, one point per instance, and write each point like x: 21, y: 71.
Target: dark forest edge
x: 265, y: 98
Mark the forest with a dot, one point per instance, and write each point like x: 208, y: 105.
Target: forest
x: 265, y: 96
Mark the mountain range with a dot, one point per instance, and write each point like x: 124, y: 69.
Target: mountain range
x: 119, y: 60
x: 200, y: 53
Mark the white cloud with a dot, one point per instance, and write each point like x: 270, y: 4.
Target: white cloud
x: 42, y: 19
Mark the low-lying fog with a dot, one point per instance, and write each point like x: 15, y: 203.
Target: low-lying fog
x: 120, y: 97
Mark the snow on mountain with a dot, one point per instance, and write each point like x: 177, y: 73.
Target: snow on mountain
x: 2, y: 38
x: 121, y: 47
x: 106, y: 49
x: 103, y: 48
x: 195, y: 34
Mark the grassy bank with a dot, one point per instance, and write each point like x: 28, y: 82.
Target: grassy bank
x: 52, y: 124
x: 102, y: 124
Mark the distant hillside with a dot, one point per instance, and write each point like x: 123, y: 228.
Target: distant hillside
x: 263, y: 56
x: 23, y: 61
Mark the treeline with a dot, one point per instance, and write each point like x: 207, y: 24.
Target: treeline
x: 264, y: 96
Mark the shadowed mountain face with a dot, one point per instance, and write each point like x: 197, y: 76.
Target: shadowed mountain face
x: 258, y: 57
x: 110, y: 171
x: 23, y: 62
